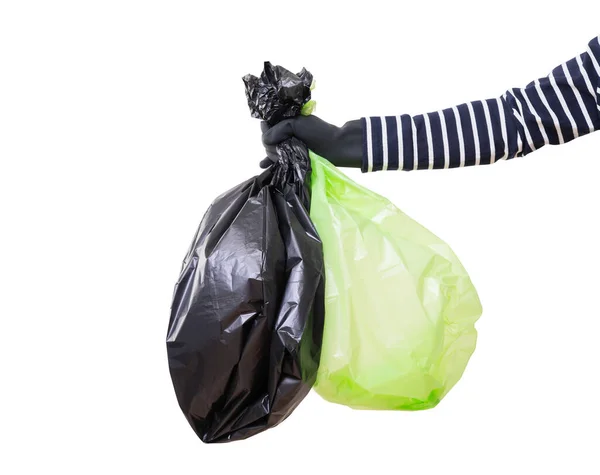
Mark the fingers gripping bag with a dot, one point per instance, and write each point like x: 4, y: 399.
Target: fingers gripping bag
x: 247, y: 315
x: 399, y: 306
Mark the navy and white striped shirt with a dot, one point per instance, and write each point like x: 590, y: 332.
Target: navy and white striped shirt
x: 552, y: 110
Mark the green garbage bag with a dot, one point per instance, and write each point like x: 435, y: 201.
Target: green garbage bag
x: 400, y: 308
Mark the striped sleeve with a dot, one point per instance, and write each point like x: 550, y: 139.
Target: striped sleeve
x: 552, y: 110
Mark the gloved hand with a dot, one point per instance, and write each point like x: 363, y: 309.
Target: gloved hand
x: 342, y: 146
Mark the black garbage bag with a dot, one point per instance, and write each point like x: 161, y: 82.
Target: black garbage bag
x: 246, y: 322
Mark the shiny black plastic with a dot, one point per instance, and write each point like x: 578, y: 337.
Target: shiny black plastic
x: 277, y: 94
x: 246, y: 322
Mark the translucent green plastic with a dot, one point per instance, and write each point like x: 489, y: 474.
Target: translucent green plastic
x: 399, y: 306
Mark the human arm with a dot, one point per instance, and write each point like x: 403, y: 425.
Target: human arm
x: 552, y: 110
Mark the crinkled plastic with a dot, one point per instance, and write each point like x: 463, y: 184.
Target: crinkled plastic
x: 278, y: 93
x: 247, y: 315
x: 400, y: 308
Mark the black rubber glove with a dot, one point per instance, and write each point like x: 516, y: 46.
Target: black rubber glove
x: 342, y: 146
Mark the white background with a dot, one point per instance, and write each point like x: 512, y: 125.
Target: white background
x: 120, y: 121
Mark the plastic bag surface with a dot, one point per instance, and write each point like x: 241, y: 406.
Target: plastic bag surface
x: 400, y: 308
x: 247, y: 315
